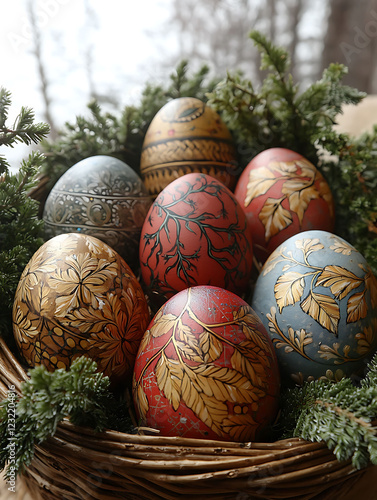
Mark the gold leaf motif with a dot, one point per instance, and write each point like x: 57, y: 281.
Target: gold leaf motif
x: 274, y: 217
x: 308, y: 245
x: 288, y: 289
x: 169, y: 374
x: 210, y: 410
x: 366, y: 339
x: 283, y: 167
x: 275, y: 258
x: 146, y: 338
x: 340, y: 280
x: 356, y: 307
x: 300, y: 199
x: 296, y: 340
x: 332, y: 353
x: 308, y: 169
x: 323, y: 309
x: 193, y: 354
x: 187, y: 342
x: 250, y: 322
x: 141, y: 400
x: 162, y: 324
x: 210, y: 346
x: 247, y: 315
x: 246, y: 360
x: 341, y: 246
x: 221, y: 383
x: 81, y: 282
x: 241, y: 428
x: 371, y: 285
x: 260, y: 181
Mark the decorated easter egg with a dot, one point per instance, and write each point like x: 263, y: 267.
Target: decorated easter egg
x: 76, y: 297
x: 206, y: 369
x: 186, y: 135
x: 195, y: 233
x: 283, y: 194
x: 317, y: 297
x: 103, y: 197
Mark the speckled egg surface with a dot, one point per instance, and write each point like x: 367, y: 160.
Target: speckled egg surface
x: 76, y: 297
x: 186, y: 135
x: 195, y: 233
x: 207, y: 369
x: 283, y: 194
x: 103, y: 197
x: 317, y: 297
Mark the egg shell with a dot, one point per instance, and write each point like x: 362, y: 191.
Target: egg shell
x: 283, y: 194
x: 195, y: 233
x: 103, y: 197
x: 185, y: 136
x: 317, y: 298
x: 77, y: 296
x: 207, y: 369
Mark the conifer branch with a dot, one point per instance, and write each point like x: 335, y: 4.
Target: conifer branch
x: 80, y: 394
x: 342, y: 415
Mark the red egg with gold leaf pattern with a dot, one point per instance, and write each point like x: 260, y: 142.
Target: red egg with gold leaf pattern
x: 75, y: 297
x: 206, y: 368
x: 196, y: 233
x: 283, y: 194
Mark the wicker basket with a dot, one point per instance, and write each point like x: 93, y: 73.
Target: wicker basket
x: 78, y: 463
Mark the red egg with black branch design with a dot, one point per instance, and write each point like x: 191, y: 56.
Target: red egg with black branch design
x: 283, y: 194
x: 196, y: 233
x: 206, y: 368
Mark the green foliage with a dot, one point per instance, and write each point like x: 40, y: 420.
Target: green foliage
x: 279, y: 115
x: 80, y: 394
x: 20, y: 229
x: 339, y: 414
x: 120, y: 136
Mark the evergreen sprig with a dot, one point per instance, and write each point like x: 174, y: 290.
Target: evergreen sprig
x: 20, y: 228
x: 24, y: 129
x: 341, y: 414
x: 278, y: 114
x: 80, y: 393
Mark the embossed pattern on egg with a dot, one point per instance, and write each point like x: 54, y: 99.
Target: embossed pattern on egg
x: 185, y: 136
x: 103, y: 197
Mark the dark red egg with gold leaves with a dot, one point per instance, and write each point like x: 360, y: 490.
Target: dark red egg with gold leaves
x: 77, y: 297
x: 196, y: 233
x: 283, y: 194
x: 206, y: 368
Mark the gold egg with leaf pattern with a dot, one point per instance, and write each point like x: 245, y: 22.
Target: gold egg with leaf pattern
x: 75, y: 297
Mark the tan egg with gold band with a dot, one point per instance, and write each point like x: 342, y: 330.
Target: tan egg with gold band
x: 186, y: 136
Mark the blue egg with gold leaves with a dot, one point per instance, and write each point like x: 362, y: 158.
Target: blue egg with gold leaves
x: 317, y: 297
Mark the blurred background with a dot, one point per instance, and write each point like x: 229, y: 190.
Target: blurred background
x: 57, y: 55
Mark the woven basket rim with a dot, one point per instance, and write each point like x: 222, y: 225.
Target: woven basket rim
x: 78, y: 463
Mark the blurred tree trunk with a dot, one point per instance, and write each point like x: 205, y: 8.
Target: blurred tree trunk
x: 351, y: 39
